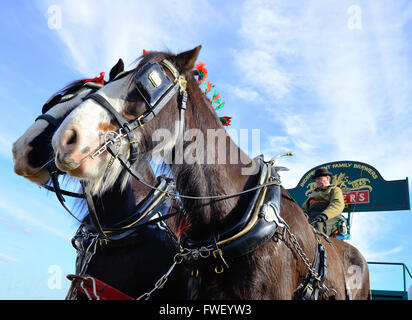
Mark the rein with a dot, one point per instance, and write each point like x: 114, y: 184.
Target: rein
x: 132, y: 171
x: 64, y: 192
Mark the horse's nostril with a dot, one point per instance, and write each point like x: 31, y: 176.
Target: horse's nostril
x: 69, y: 140
x: 72, y: 138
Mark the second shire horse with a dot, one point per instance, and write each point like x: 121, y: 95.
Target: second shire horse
x: 127, y: 258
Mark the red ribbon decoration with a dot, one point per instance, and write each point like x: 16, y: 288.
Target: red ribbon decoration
x: 97, y: 79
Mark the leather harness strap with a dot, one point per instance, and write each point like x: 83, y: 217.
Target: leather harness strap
x: 64, y: 192
x: 311, y: 290
x: 93, y: 214
x: 124, y: 125
x: 50, y: 119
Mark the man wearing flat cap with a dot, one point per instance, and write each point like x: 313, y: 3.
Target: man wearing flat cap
x: 325, y: 204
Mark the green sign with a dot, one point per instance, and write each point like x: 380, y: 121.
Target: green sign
x: 362, y: 185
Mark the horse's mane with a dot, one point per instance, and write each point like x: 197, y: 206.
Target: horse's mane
x: 71, y: 87
x: 196, y: 97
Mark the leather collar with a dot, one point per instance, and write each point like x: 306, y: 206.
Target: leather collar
x: 128, y: 231
x: 258, y: 225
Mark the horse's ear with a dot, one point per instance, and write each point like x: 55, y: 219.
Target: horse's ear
x: 186, y: 60
x: 119, y: 67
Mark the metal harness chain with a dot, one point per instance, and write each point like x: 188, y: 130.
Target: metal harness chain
x: 300, y: 252
x: 159, y: 283
x: 87, y: 255
x: 203, y: 252
x: 305, y: 259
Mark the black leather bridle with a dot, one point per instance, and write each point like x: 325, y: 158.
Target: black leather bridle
x: 50, y: 165
x: 157, y: 89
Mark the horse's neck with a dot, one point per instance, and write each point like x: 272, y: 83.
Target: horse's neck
x: 141, y: 191
x: 201, y: 179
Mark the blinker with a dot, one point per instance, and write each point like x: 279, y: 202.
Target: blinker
x: 152, y: 83
x: 53, y: 100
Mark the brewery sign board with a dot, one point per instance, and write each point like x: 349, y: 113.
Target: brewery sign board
x: 363, y: 187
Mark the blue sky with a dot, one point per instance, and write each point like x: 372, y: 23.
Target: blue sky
x: 328, y: 80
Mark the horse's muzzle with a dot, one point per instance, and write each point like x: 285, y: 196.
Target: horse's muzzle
x: 64, y: 162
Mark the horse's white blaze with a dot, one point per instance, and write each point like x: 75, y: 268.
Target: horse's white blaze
x: 85, y: 120
x: 21, y: 147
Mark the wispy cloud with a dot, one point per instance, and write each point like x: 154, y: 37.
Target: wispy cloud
x: 27, y: 218
x: 7, y: 259
x: 244, y: 93
x: 333, y: 92
x: 368, y: 229
x: 340, y: 90
x: 17, y: 227
x: 98, y: 33
x: 383, y: 255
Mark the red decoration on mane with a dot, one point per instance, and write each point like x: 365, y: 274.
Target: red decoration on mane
x: 202, y: 72
x: 97, y: 79
x: 215, y: 101
x: 145, y: 51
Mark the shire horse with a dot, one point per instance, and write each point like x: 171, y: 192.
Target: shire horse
x: 245, y: 237
x: 129, y: 262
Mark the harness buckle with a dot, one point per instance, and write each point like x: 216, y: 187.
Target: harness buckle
x: 307, y: 292
x: 139, y: 121
x: 219, y: 251
x: 182, y: 83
